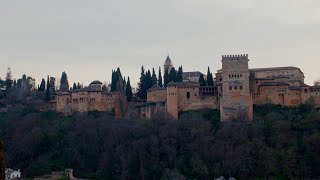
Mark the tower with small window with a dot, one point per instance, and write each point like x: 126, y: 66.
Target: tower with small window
x: 172, y: 100
x: 236, y: 101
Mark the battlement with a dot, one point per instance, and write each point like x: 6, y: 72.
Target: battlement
x: 235, y: 57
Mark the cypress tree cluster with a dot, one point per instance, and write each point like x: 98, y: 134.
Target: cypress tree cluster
x: 64, y: 83
x: 117, y: 82
x: 209, y: 78
x: 173, y: 75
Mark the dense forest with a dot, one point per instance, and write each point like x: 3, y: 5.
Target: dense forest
x: 280, y: 143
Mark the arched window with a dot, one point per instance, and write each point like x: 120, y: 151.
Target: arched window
x: 188, y: 95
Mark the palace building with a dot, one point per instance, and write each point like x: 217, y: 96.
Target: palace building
x: 237, y: 88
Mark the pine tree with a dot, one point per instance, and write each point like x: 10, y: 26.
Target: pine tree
x: 113, y: 81
x: 173, y: 75
x: 180, y: 75
x: 2, y: 162
x: 129, y: 91
x: 52, y: 85
x: 42, y: 86
x: 202, y: 81
x: 9, y: 81
x: 142, y: 90
x: 74, y: 87
x: 160, y: 78
x: 48, y: 90
x: 209, y: 78
x: 64, y: 83
x: 166, y: 78
x: 154, y: 77
x: 148, y: 80
x: 79, y: 86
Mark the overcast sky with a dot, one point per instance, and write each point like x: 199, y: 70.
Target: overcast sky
x: 89, y: 38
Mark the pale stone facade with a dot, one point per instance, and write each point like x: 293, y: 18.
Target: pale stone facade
x: 237, y: 88
x: 86, y: 99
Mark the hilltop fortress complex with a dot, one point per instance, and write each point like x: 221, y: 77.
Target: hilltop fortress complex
x: 236, y: 89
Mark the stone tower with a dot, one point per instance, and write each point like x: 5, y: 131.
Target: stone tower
x: 172, y: 100
x: 236, y: 100
x: 167, y: 65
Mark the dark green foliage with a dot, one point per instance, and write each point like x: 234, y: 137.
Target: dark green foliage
x: 64, y: 83
x: 48, y: 94
x: 173, y: 75
x: 42, y: 86
x: 160, y: 83
x: 154, y: 77
x: 74, y: 87
x: 202, y: 81
x: 148, y: 79
x: 129, y: 91
x: 166, y: 78
x: 281, y: 143
x: 179, y: 75
x: 9, y: 79
x: 142, y: 89
x: 117, y: 82
x: 2, y: 162
x: 209, y: 78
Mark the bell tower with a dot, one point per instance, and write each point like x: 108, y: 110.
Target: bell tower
x: 236, y: 100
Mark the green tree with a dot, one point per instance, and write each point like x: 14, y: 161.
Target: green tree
x: 180, y: 74
x: 173, y: 75
x: 202, y: 81
x: 209, y: 78
x: 129, y: 90
x: 160, y: 78
x: 148, y: 79
x: 48, y: 98
x: 74, y: 87
x: 79, y: 86
x: 42, y: 86
x: 64, y: 83
x: 142, y: 89
x: 117, y: 82
x: 154, y: 77
x: 2, y: 162
x: 166, y: 78
x: 9, y: 80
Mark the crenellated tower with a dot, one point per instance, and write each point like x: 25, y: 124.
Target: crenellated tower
x: 236, y: 100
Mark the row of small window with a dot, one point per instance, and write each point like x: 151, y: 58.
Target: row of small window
x: 172, y: 94
x: 235, y: 75
x: 312, y: 90
x: 235, y: 87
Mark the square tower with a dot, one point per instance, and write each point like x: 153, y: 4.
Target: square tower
x: 236, y: 100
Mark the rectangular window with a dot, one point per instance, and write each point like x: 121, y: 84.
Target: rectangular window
x: 241, y: 87
x: 236, y: 87
x: 230, y: 87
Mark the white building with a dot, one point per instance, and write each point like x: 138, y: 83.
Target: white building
x: 12, y: 174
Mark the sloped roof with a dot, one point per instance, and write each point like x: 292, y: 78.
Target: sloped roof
x: 96, y: 82
x: 273, y: 68
x: 192, y: 74
x: 156, y: 87
x: 168, y: 60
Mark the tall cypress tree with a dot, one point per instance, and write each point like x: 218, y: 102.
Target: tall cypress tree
x: 209, y: 78
x: 166, y: 78
x: 64, y: 83
x: 48, y: 90
x: 74, y: 87
x: 154, y: 77
x: 160, y: 78
x: 2, y: 162
x: 9, y: 80
x: 149, y: 79
x: 202, y: 81
x: 173, y: 75
x: 129, y: 91
x: 142, y: 90
x: 180, y: 75
x: 42, y: 86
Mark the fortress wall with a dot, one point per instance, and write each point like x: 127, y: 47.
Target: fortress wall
x: 157, y: 95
